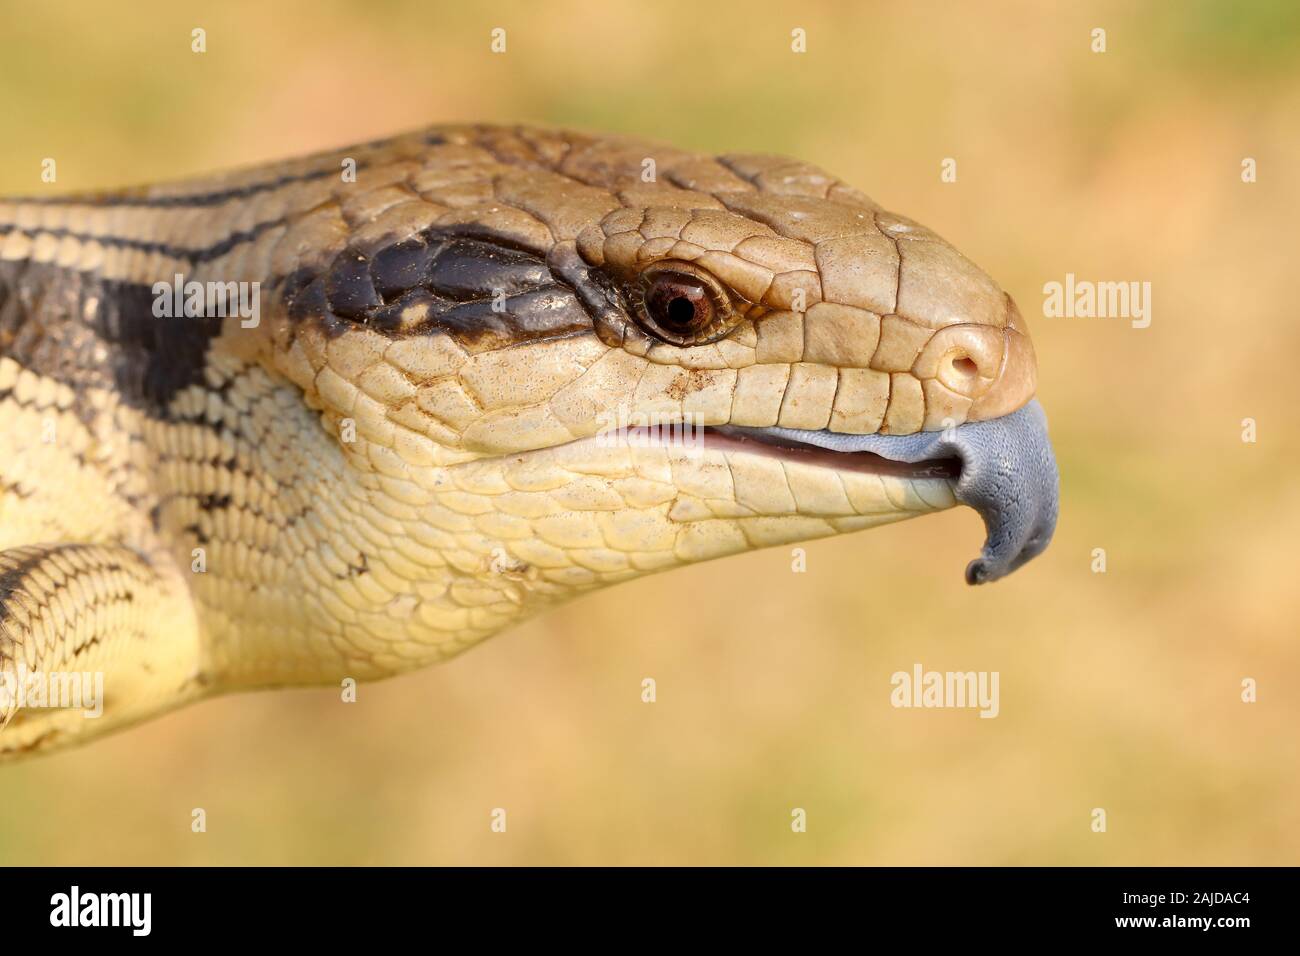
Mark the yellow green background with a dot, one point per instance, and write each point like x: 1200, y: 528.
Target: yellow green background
x: 1119, y: 690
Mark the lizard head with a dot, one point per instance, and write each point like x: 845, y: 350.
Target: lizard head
x: 499, y: 367
x: 556, y: 362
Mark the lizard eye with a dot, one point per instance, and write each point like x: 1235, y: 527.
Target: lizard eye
x: 683, y: 305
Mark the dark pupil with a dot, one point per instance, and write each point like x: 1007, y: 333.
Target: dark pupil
x: 679, y: 307
x: 681, y: 311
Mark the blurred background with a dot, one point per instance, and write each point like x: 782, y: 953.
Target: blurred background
x: 1119, y: 690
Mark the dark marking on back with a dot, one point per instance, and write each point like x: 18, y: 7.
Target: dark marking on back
x: 89, y: 332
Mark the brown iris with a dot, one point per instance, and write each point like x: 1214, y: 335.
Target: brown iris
x: 683, y: 305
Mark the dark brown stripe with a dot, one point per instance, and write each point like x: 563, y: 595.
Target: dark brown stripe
x: 220, y: 197
x: 194, y: 256
x: 215, y: 198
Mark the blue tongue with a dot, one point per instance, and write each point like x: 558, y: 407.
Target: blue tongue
x: 1008, y: 475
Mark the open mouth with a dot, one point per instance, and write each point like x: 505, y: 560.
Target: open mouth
x: 762, y: 441
x: 1004, y: 468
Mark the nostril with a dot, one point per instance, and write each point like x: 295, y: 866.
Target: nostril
x: 965, y: 366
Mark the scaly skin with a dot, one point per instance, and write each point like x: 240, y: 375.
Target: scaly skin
x: 371, y: 487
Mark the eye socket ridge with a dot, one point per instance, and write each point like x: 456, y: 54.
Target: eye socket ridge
x: 683, y: 305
